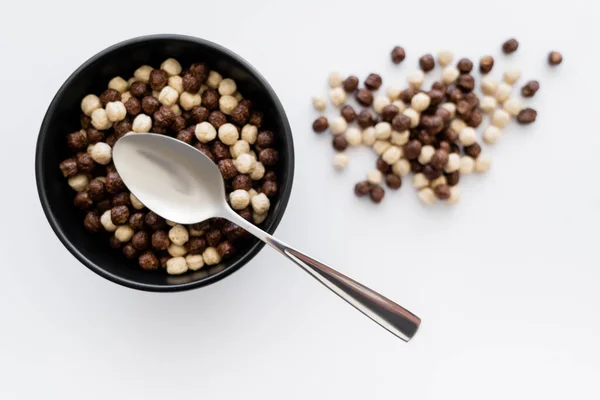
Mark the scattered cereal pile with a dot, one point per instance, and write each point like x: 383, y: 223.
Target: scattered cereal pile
x: 431, y: 133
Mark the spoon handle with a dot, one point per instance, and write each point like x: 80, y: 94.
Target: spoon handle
x: 391, y: 316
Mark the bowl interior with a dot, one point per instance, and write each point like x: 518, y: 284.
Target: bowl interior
x: 62, y: 118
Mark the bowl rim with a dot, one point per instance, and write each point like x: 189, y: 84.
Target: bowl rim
x: 252, y: 251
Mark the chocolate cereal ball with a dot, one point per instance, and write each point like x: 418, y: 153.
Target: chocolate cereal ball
x: 148, y: 261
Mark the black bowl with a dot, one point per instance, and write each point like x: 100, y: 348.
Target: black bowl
x: 62, y: 117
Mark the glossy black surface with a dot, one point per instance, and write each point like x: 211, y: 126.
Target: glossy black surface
x: 62, y: 118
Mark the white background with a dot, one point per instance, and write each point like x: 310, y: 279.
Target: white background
x: 506, y: 282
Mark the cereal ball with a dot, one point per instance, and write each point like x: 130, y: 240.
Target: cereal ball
x: 420, y: 102
x: 170, y: 223
x: 142, y: 123
x: 92, y: 222
x: 380, y: 146
x: 441, y: 180
x: 454, y: 195
x: 205, y: 132
x: 450, y: 74
x: 227, y: 104
x: 227, y: 168
x: 383, y: 131
x: 440, y: 158
x: 335, y: 79
x: 260, y: 203
x: 445, y: 57
x: 491, y: 134
x: 373, y: 82
x: 148, y: 261
x: 458, y: 125
x: 100, y: 119
x: 142, y: 74
x: 78, y: 182
x: 482, y: 163
x: 258, y: 171
x: 249, y: 133
x: 115, y: 111
x: 393, y: 92
x: 353, y: 136
x: 171, y: 66
x: 489, y: 84
x: 176, y: 251
x: 83, y: 200
x: 398, y: 54
x: 340, y: 161
x: 416, y: 78
x: 124, y: 233
x: 239, y: 199
x: 244, y: 163
x: 225, y: 250
x: 338, y: 125
x: 176, y: 266
x: 188, y: 100
x: 227, y: 87
x: 109, y: 95
x: 259, y: 218
x: 350, y: 84
x: 401, y: 167
x: 379, y: 103
x: 119, y: 215
x: 140, y: 240
x: 512, y: 75
x: 176, y: 82
x: 400, y: 138
x: 527, y: 116
x: 214, y: 79
x: 150, y: 105
x: 85, y: 162
x: 500, y: 118
x: 420, y: 181
x: 467, y: 136
x: 555, y: 58
x: 119, y: 84
x: 243, y: 182
x: 168, y: 96
x: 319, y: 103
x: 179, y: 235
x: 426, y: 154
x: 228, y: 134
x: 107, y: 223
x: 392, y: 155
x: 102, y: 153
x: 68, y: 167
x: 503, y: 92
x: 427, y: 196
x: 488, y: 104
x: 363, y: 97
x: 337, y: 96
x: 450, y: 107
x: 133, y: 106
x: 240, y: 147
x: 453, y: 163
x: 414, y: 116
x: 512, y: 106
x: 89, y: 104
x: 368, y: 136
x: 194, y: 262
x: 211, y: 256
x: 375, y: 177
x: 467, y: 164
x: 160, y: 240
x: 399, y: 104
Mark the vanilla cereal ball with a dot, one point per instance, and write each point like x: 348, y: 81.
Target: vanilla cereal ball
x: 240, y: 147
x: 489, y: 84
x: 238, y: 96
x: 338, y: 125
x: 204, y: 131
x: 119, y: 84
x: 393, y: 92
x: 227, y: 87
x: 78, y: 182
x: 102, y: 153
x: 89, y: 149
x: 131, y: 80
x: 482, y: 163
x: 379, y: 103
x: 188, y: 100
x: 401, y: 167
x: 90, y: 103
x: 258, y: 218
x: 258, y: 171
x: 135, y: 202
x: 171, y: 66
x: 142, y: 74
x: 454, y: 195
x: 177, y: 265
x: 335, y: 79
x: 512, y: 106
x: 211, y: 256
x: 100, y: 120
x: 511, y: 75
x: 124, y: 233
x: 176, y: 82
x: 176, y: 250
x: 244, y: 163
x: 319, y: 103
x: 426, y: 154
x: 168, y: 96
x: 467, y: 136
x: 368, y: 136
x: 400, y: 138
x: 414, y: 116
x: 503, y: 92
x: 420, y: 102
x: 488, y: 104
x: 451, y: 108
x: 253, y: 155
x: 252, y: 193
x: 155, y: 94
x: 170, y: 223
x: 142, y: 123
x: 194, y: 262
x: 458, y: 125
x: 416, y: 78
x: 353, y: 136
x: 179, y: 235
x: 375, y: 177
x: 115, y: 111
x: 125, y: 96
x: 176, y: 109
x: 249, y: 133
x: 420, y: 181
x: 228, y: 134
x: 239, y: 199
x: 337, y: 96
x: 340, y: 160
x: 445, y: 57
x: 214, y: 79
x: 500, y: 118
x: 427, y: 196
x: 260, y: 203
x: 400, y: 105
x: 227, y: 104
x: 491, y: 134
x: 380, y: 146
x: 392, y: 155
x: 453, y: 163
x: 106, y: 222
x: 383, y: 131
x: 467, y: 164
x: 441, y: 180
x: 450, y: 74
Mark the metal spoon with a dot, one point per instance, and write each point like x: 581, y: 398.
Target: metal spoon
x: 181, y: 184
